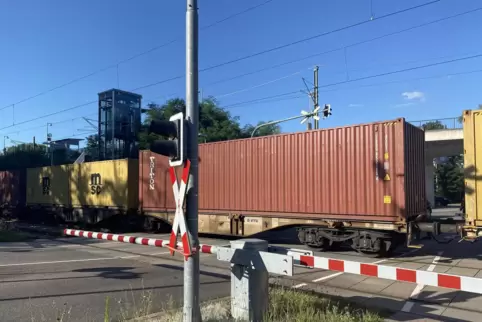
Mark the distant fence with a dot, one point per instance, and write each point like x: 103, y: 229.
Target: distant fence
x: 451, y: 123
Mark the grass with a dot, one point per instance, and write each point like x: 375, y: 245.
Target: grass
x: 286, y: 305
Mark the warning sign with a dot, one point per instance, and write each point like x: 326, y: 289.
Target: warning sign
x: 387, y: 199
x: 387, y: 177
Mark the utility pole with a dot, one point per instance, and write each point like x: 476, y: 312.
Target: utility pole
x: 192, y: 312
x: 315, y: 96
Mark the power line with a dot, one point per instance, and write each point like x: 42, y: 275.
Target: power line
x: 135, y: 56
x: 343, y: 47
x: 403, y: 70
x: 316, y: 36
x: 317, y: 54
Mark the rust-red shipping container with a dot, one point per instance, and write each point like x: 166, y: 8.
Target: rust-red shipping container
x: 369, y: 175
x: 12, y: 187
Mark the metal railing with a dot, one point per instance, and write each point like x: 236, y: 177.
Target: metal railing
x: 451, y: 123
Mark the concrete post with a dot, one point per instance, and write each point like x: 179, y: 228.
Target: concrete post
x: 429, y: 181
x: 249, y: 287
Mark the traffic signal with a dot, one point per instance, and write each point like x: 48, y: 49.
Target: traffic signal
x: 327, y: 111
x: 175, y: 146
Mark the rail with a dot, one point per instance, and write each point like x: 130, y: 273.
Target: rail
x: 451, y: 123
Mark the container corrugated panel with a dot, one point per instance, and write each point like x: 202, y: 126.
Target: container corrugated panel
x: 350, y: 173
x: 473, y: 166
x: 110, y: 183
x: 155, y: 189
x: 49, y: 185
x: 12, y: 187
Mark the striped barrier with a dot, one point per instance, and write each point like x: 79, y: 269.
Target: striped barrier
x: 301, y: 258
x: 203, y: 248
x: 455, y: 282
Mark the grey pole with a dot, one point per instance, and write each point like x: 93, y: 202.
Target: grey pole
x: 279, y: 121
x: 192, y: 312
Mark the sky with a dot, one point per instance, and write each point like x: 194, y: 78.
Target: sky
x: 58, y: 55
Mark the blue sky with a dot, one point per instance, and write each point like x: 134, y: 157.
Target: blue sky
x: 49, y: 43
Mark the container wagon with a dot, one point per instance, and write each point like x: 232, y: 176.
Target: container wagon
x: 472, y: 124
x: 12, y: 191
x: 88, y: 192
x: 360, y: 184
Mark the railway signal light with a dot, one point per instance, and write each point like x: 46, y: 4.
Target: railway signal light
x: 175, y: 146
x: 327, y: 111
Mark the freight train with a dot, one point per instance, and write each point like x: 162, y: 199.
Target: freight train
x: 362, y: 184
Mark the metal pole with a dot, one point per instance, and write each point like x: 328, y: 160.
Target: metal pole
x: 317, y: 103
x: 192, y: 312
x: 276, y: 122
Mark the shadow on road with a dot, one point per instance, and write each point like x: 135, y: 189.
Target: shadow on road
x: 121, y: 273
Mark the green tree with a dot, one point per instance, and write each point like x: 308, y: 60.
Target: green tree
x: 24, y: 156
x: 215, y: 123
x: 450, y: 178
x: 92, y: 146
x: 433, y: 125
x: 262, y: 131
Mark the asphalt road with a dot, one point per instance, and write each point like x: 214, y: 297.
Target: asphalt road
x: 43, y: 280
x: 83, y: 272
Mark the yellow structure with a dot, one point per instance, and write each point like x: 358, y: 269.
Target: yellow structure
x: 473, y: 171
x: 48, y: 186
x: 112, y: 184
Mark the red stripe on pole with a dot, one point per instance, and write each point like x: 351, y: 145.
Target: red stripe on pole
x: 172, y: 242
x: 81, y: 234
x: 132, y: 240
x: 145, y: 241
x: 336, y: 265
x: 206, y: 249
x: 158, y: 243
x: 90, y: 234
x: 172, y: 175
x: 65, y: 232
x: 369, y: 270
x: 448, y: 281
x: 110, y: 237
x: 406, y: 275
x: 121, y: 238
x: 307, y: 260
x: 185, y: 172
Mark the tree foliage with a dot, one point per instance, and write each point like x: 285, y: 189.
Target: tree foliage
x: 215, y: 123
x: 24, y: 156
x: 450, y: 178
x: 433, y: 125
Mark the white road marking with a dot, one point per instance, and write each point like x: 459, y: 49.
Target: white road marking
x: 407, y: 307
x: 299, y: 285
x: 327, y: 277
x: 70, y: 261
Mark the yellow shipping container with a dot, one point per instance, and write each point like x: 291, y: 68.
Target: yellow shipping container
x: 48, y: 185
x: 112, y: 183
x: 473, y: 166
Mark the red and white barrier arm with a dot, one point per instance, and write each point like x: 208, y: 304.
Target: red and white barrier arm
x: 203, y: 248
x: 456, y: 282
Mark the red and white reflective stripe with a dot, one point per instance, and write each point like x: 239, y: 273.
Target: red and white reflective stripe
x: 203, y: 248
x: 179, y: 220
x: 462, y: 283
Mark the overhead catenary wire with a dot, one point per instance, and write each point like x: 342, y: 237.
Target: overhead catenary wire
x: 116, y: 65
x: 322, y: 86
x: 316, y: 54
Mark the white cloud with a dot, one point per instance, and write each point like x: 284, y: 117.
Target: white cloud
x: 415, y: 95
x: 355, y: 105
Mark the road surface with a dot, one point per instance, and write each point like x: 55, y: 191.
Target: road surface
x: 82, y: 272
x: 43, y: 280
